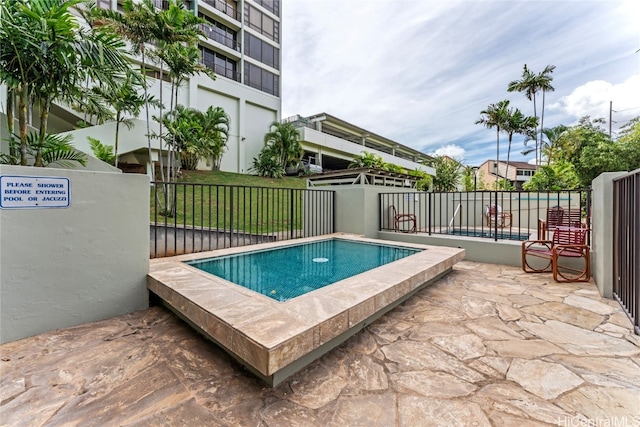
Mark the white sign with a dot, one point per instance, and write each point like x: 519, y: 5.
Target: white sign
x: 23, y: 192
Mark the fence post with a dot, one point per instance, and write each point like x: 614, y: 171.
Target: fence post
x: 231, y: 216
x: 291, y: 219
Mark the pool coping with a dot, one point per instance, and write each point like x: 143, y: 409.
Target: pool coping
x: 274, y: 339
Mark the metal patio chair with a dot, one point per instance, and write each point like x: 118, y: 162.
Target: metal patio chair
x: 566, y: 255
x: 494, y: 214
x: 559, y: 217
x: 401, y: 221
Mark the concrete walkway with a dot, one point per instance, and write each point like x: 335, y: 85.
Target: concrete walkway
x: 486, y: 345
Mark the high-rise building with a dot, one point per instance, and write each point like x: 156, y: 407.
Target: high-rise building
x: 241, y: 44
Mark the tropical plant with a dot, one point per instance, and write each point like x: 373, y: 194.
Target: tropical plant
x: 530, y: 85
x: 557, y: 176
x: 101, y: 151
x: 283, y: 141
x: 502, y: 184
x: 55, y: 149
x: 594, y: 152
x: 367, y: 160
x: 136, y: 24
x: 182, y: 128
x: 494, y: 117
x: 424, y: 183
x: 392, y: 167
x: 268, y: 164
x: 176, y: 31
x: 215, y: 128
x: 45, y: 54
x: 551, y: 142
x: 517, y: 123
x: 195, y: 135
x: 544, y: 84
x: 469, y: 179
x: 447, y: 173
x: 126, y: 100
x: 629, y: 141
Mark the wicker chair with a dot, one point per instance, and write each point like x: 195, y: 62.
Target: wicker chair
x: 405, y: 223
x: 566, y: 243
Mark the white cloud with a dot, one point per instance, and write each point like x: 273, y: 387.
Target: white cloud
x: 593, y: 98
x: 420, y: 72
x: 452, y: 151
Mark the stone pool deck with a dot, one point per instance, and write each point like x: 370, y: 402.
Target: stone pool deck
x: 276, y: 339
x: 486, y: 345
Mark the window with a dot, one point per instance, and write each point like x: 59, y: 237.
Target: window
x: 261, y: 79
x: 261, y: 51
x: 104, y: 4
x: 219, y: 63
x: 272, y: 6
x: 261, y: 23
x: 155, y: 74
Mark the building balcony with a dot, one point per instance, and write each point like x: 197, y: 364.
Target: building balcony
x: 223, y: 7
x: 212, y: 34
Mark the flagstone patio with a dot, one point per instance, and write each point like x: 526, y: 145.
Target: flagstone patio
x: 485, y: 345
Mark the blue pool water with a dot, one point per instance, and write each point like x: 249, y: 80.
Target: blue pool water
x: 490, y: 234
x: 288, y: 272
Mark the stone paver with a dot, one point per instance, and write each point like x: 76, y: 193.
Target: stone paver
x: 485, y: 346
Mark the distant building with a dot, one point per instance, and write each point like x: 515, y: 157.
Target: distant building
x: 518, y: 173
x: 333, y: 143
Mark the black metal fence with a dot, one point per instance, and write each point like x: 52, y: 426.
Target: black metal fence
x: 626, y: 246
x: 512, y: 215
x: 190, y: 217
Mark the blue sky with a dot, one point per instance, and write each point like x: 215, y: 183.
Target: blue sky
x: 419, y: 72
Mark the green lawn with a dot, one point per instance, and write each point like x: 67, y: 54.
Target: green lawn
x: 235, y: 201
x: 229, y: 178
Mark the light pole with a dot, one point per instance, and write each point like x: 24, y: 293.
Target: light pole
x: 475, y: 177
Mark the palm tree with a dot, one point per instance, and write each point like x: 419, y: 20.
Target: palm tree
x: 183, y: 128
x: 176, y: 30
x: 125, y: 100
x: 136, y: 24
x: 517, y: 123
x: 544, y: 84
x: 553, y: 142
x: 196, y: 135
x: 494, y: 117
x: 530, y: 84
x: 215, y: 128
x: 284, y: 140
x: 45, y: 55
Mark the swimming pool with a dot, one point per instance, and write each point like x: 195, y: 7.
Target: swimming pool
x: 503, y: 235
x: 275, y: 339
x: 286, y: 273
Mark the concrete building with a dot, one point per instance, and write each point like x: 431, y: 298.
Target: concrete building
x: 518, y: 173
x: 333, y: 143
x: 241, y: 43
